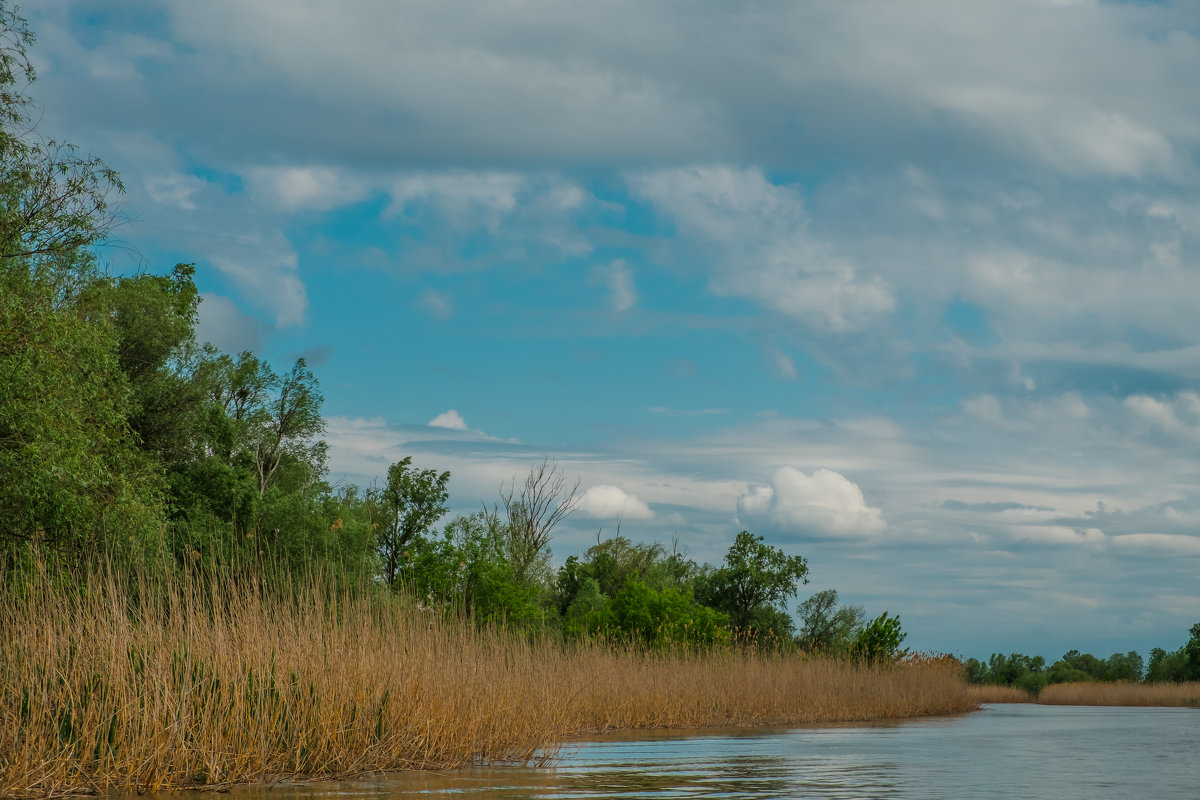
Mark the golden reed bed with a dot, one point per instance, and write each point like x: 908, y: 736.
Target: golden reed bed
x: 1121, y: 694
x: 987, y: 693
x: 185, y: 687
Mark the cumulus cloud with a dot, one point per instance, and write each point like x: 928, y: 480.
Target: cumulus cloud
x: 765, y: 250
x: 450, y: 419
x: 612, y: 502
x: 823, y: 502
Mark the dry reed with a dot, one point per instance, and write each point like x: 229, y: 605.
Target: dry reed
x: 988, y: 693
x: 187, y: 686
x: 1122, y: 694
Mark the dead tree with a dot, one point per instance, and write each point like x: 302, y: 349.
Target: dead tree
x: 534, y: 511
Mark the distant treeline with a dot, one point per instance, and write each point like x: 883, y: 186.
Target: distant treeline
x: 1031, y: 674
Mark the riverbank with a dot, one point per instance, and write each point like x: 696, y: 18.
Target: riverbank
x: 183, y: 686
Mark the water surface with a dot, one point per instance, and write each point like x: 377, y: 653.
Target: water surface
x: 1025, y: 751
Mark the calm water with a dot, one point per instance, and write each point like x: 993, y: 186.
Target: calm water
x: 1024, y: 751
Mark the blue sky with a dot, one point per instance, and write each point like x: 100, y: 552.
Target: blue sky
x: 908, y: 288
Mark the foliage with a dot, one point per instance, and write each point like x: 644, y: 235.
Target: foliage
x: 879, y: 641
x: 411, y: 502
x: 73, y: 477
x: 755, y: 580
x: 826, y: 627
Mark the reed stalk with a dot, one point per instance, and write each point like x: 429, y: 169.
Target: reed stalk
x: 989, y: 693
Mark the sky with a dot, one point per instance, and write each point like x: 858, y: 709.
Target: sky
x: 909, y: 289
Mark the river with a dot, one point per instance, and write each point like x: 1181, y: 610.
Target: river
x: 1023, y: 751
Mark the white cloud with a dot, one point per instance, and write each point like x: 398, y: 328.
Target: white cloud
x: 617, y: 277
x: 784, y: 364
x: 467, y: 199
x: 764, y: 248
x: 436, y: 304
x: 300, y: 188
x: 174, y: 189
x: 1177, y: 416
x: 822, y: 502
x: 448, y: 419
x: 265, y: 269
x: 612, y: 502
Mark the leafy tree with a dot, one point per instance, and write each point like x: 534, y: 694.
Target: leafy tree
x: 754, y: 582
x: 1191, y: 653
x: 412, y: 501
x: 73, y: 478
x: 153, y: 318
x: 53, y: 202
x: 613, y: 561
x: 668, y: 616
x: 71, y: 475
x: 879, y: 640
x: 290, y: 425
x: 827, y: 627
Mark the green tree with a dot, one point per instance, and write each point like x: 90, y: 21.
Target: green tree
x: 53, y: 201
x: 412, y: 501
x: 290, y: 426
x: 827, y: 627
x: 72, y: 477
x: 879, y: 640
x: 1191, y: 653
x: 752, y: 585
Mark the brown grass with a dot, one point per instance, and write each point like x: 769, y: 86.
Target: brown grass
x: 986, y: 693
x: 188, y: 687
x: 1122, y: 694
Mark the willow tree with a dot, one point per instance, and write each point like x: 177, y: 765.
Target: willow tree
x: 73, y: 476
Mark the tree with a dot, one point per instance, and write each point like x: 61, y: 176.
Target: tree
x: 753, y: 584
x: 52, y: 200
x: 533, y: 511
x: 153, y: 318
x: 1191, y: 652
x: 827, y: 627
x: 879, y: 640
x: 412, y: 501
x: 292, y: 422
x: 71, y: 476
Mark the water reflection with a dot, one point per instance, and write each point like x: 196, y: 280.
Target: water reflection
x: 1004, y: 751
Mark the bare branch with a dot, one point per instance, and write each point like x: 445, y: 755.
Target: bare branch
x: 534, y: 510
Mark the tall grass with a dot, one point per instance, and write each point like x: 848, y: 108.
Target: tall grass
x: 990, y: 693
x: 1121, y: 694
x: 118, y: 686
